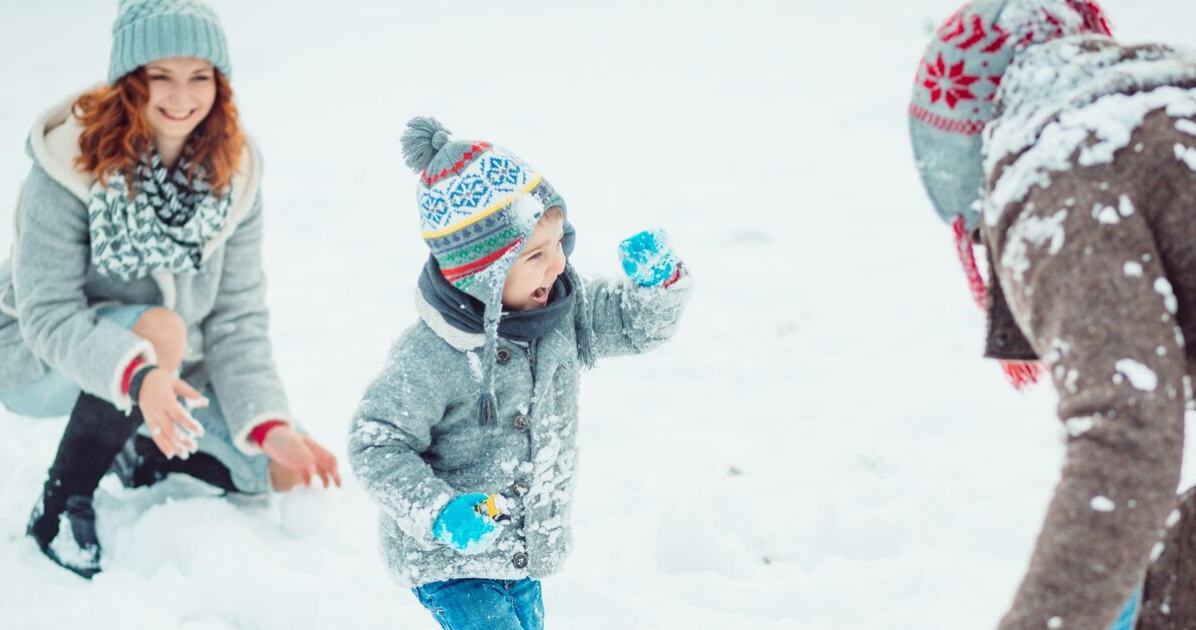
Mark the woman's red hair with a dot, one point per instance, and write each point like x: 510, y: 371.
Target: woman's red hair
x: 116, y: 134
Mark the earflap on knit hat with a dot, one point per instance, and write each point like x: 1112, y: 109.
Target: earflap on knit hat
x: 957, y: 82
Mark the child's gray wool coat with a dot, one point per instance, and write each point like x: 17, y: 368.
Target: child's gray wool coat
x: 417, y: 440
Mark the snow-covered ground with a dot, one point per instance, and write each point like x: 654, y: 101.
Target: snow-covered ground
x: 820, y: 447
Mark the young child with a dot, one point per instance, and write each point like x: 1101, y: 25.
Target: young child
x: 467, y: 438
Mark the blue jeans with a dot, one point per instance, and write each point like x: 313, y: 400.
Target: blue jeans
x: 475, y: 604
x: 54, y: 395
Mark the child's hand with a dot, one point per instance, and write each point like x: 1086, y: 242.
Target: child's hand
x: 470, y: 522
x: 648, y: 259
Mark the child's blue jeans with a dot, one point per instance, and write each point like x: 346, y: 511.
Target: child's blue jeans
x: 475, y: 604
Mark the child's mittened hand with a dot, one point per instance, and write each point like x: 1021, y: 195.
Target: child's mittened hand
x: 648, y: 259
x: 465, y: 525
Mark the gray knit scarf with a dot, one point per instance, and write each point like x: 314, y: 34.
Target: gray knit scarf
x: 163, y: 227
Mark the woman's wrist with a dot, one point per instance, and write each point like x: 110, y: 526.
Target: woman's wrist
x: 138, y: 379
x: 127, y: 377
x: 259, y: 433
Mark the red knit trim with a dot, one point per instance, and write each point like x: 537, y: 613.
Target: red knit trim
x: 130, y: 370
x: 456, y: 273
x: 1021, y: 374
x: 258, y: 434
x: 1094, y: 16
x: 962, y: 127
x: 676, y: 276
x: 473, y: 152
x: 967, y: 258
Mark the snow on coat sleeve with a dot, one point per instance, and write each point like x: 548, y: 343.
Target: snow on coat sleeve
x: 237, y: 350
x: 629, y: 319
x: 50, y: 271
x: 392, y: 427
x: 1094, y: 299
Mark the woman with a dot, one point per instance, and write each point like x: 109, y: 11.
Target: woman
x: 136, y: 280
x: 1083, y: 187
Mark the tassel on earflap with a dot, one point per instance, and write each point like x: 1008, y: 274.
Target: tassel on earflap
x: 1021, y: 374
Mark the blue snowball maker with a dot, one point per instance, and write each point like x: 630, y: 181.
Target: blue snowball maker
x: 461, y: 526
x: 647, y: 258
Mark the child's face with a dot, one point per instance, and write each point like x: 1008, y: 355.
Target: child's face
x: 531, y: 277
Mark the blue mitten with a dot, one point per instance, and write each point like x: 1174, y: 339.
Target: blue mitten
x: 468, y: 524
x: 648, y: 259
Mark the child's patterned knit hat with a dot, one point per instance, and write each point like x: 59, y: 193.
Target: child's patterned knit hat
x: 146, y: 30
x: 478, y: 203
x: 958, y: 79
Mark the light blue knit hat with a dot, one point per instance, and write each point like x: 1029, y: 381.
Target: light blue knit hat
x: 146, y: 30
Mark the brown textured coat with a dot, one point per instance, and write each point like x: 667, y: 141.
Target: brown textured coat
x: 1098, y: 264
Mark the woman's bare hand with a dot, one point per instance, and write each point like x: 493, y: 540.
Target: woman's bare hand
x: 170, y: 425
x: 301, y: 455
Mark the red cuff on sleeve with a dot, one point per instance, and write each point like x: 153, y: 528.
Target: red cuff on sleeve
x: 258, y: 434
x: 127, y: 378
x: 676, y: 276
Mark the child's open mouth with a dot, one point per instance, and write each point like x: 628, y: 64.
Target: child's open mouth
x: 540, y: 296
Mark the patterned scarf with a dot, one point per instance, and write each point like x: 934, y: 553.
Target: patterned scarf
x: 163, y: 227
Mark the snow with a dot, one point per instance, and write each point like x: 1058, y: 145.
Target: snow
x: 1057, y: 101
x: 1029, y: 232
x: 1162, y: 286
x: 1187, y: 155
x: 1125, y: 206
x: 821, y: 446
x: 67, y: 548
x: 1079, y: 426
x: 1140, y: 376
x: 1106, y: 214
x: 475, y: 365
x: 1173, y: 518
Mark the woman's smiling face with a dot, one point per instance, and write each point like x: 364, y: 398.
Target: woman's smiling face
x: 182, y: 91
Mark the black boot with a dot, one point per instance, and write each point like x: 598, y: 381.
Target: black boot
x: 73, y: 544
x: 94, y: 435
x: 141, y: 463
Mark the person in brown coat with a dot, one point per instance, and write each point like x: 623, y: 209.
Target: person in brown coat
x: 1080, y: 179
